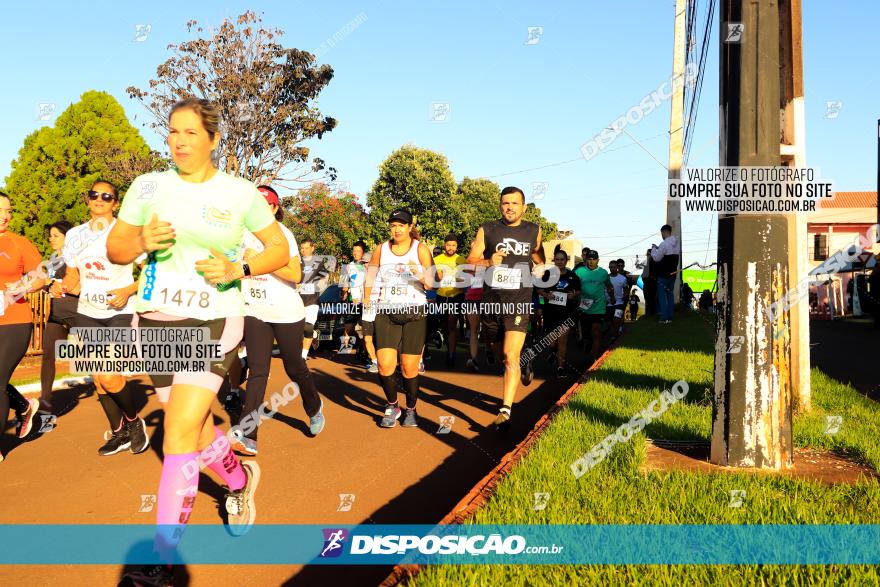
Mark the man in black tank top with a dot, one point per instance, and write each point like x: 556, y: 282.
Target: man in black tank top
x: 508, y: 247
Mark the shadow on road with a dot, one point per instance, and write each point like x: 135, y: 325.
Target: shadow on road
x: 434, y: 495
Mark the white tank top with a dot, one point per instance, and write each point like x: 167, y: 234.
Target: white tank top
x: 399, y: 285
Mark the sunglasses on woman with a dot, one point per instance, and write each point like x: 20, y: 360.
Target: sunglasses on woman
x: 93, y: 195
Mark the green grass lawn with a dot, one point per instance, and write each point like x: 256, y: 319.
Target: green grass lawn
x: 651, y: 359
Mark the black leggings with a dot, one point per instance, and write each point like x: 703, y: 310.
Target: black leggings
x: 52, y: 333
x: 14, y: 342
x: 258, y: 338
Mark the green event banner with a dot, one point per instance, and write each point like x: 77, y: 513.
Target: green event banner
x: 700, y: 279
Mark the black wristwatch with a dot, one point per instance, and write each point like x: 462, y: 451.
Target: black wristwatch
x: 246, y: 269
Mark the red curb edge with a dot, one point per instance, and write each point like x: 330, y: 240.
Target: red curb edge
x: 480, y: 493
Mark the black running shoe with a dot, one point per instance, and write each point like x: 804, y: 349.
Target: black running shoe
x: 231, y: 400
x: 527, y: 374
x: 118, y: 442
x: 148, y: 576
x: 137, y: 434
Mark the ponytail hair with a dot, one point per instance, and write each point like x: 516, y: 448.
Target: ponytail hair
x: 414, y: 233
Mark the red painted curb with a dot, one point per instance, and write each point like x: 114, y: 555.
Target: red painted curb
x: 480, y: 494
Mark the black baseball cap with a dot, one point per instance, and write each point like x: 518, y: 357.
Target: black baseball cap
x: 401, y: 215
x: 592, y: 254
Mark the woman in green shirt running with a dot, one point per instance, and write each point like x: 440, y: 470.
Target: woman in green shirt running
x: 191, y: 221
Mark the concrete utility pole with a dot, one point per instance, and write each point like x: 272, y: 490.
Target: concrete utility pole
x: 676, y: 131
x: 753, y: 381
x: 794, y: 155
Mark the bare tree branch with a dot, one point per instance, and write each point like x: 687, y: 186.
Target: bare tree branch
x: 266, y: 94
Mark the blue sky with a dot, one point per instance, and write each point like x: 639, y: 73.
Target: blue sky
x: 513, y: 106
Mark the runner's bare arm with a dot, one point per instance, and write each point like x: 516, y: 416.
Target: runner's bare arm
x: 276, y: 253
x: 538, y: 254
x: 70, y: 283
x: 372, y: 271
x: 478, y: 247
x: 291, y: 272
x: 427, y: 261
x: 126, y: 242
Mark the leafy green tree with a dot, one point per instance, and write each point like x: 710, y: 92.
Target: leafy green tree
x: 267, y: 95
x: 92, y: 139
x: 476, y: 202
x: 334, y: 221
x: 419, y: 180
x: 548, y: 229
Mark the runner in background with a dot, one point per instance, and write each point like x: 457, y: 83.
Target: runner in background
x: 368, y: 328
x: 192, y: 280
x: 582, y: 336
x: 62, y: 310
x: 621, y: 268
x: 583, y: 261
x: 274, y: 311
x: 594, y: 285
x: 449, y: 296
x: 509, y: 247
x: 352, y: 291
x: 19, y: 262
x: 472, y: 312
x: 105, y: 301
x: 560, y: 305
x: 619, y: 300
x: 433, y: 325
x: 367, y: 353
x: 401, y: 268
x: 633, y: 304
x: 316, y: 275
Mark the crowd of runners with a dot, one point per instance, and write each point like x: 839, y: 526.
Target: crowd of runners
x: 210, y: 252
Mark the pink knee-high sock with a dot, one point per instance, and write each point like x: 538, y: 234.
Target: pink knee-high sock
x: 178, y: 488
x: 220, y: 459
x: 177, y: 495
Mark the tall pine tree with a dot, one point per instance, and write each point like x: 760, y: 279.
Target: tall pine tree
x: 92, y: 139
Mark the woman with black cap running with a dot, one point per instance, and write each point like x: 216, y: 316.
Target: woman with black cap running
x: 400, y: 268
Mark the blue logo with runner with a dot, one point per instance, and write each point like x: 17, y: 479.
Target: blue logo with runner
x: 334, y: 538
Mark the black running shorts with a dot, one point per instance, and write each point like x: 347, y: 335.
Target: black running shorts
x: 409, y: 337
